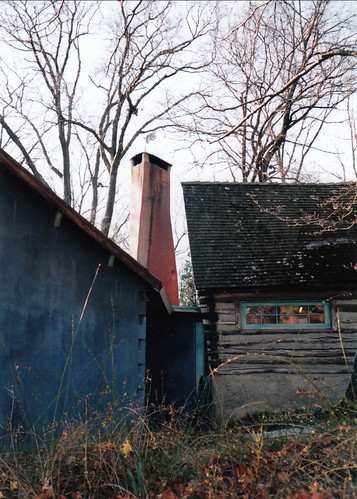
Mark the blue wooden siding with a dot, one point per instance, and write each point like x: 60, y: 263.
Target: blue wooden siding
x: 176, y: 357
x: 50, y: 359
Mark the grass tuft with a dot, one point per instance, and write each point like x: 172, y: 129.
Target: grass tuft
x: 298, y: 455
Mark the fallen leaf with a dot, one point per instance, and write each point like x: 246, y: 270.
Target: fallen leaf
x: 301, y: 494
x: 126, y: 448
x: 49, y: 493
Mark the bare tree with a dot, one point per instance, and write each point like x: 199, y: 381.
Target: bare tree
x: 277, y: 79
x: 145, y: 48
x: 152, y: 46
x: 39, y: 92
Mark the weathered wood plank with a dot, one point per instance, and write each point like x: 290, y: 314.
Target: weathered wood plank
x: 224, y: 306
x: 285, y: 333
x: 349, y: 322
x: 282, y: 337
x: 348, y: 314
x: 288, y: 355
x: 236, y: 355
x: 321, y: 357
x: 227, y: 318
x: 290, y: 344
x: 294, y: 343
x: 223, y: 323
x: 352, y: 326
x: 316, y: 372
x: 299, y: 356
x: 346, y: 301
x: 226, y: 329
x: 243, y: 360
x: 238, y: 358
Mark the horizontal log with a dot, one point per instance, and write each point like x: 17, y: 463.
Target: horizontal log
x: 298, y: 352
x: 291, y: 349
x: 350, y: 323
x: 236, y: 356
x: 346, y: 301
x: 311, y: 374
x: 309, y: 345
x: 304, y: 362
x: 327, y: 343
x: 226, y: 329
x: 348, y: 315
x: 345, y: 329
x: 287, y: 353
x: 316, y: 369
x: 309, y: 336
x: 227, y: 318
x: 304, y: 366
x: 288, y: 347
x: 222, y: 307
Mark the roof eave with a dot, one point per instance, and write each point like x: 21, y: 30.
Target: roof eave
x: 47, y: 194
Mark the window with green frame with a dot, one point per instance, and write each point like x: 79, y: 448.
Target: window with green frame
x: 286, y: 315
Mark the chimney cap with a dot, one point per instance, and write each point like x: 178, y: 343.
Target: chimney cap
x: 154, y: 160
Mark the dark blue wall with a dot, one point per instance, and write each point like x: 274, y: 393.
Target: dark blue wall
x: 49, y: 360
x: 175, y: 357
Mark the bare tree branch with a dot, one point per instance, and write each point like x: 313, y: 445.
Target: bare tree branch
x: 280, y: 71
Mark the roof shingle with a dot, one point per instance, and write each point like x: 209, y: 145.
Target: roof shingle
x: 258, y: 235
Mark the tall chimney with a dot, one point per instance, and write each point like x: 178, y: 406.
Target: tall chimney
x: 151, y: 241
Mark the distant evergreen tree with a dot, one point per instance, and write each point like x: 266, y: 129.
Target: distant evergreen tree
x: 188, y: 295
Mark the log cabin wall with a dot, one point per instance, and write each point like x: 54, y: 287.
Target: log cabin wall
x: 272, y: 370
x: 281, y: 253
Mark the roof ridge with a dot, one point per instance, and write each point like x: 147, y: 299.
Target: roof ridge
x: 275, y: 184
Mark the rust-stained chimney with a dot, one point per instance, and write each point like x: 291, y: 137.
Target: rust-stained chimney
x: 151, y: 241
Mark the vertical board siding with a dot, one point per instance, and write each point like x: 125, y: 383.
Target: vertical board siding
x: 72, y: 329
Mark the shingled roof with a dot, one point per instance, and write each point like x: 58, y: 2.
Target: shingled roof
x: 272, y: 235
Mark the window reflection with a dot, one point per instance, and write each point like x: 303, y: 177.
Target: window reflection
x: 285, y: 314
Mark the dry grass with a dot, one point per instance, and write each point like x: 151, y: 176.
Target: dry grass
x: 177, y: 456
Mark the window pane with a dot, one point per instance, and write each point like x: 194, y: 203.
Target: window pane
x: 317, y: 319
x: 288, y: 319
x: 252, y: 310
x: 286, y: 310
x: 253, y: 319
x: 283, y: 315
x: 269, y: 319
x: 302, y: 319
x: 319, y: 309
x: 301, y: 309
x: 253, y: 316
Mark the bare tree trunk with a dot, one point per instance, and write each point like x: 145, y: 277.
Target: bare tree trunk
x: 47, y: 33
x: 279, y: 73
x: 151, y: 45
